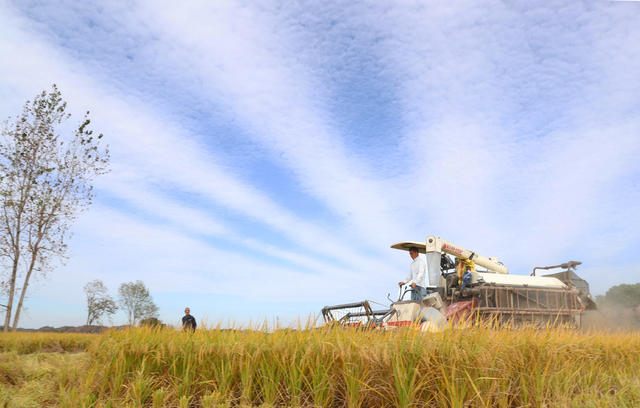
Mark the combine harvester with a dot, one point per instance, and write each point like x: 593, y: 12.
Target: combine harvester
x: 457, y: 290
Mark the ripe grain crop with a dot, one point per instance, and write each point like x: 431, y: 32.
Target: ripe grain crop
x: 478, y: 367
x: 33, y: 342
x: 475, y: 367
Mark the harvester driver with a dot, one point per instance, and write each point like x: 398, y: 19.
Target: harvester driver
x: 417, y: 276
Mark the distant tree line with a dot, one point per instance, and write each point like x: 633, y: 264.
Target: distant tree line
x: 133, y: 298
x: 625, y: 295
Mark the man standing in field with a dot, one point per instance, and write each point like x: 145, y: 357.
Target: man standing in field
x: 417, y: 276
x: 188, y: 321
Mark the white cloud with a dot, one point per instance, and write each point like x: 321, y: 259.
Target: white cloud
x: 148, y: 149
x: 517, y: 137
x: 172, y: 261
x: 280, y: 102
x: 471, y: 81
x: 157, y: 151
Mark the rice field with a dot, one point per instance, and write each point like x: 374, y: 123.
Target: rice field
x: 477, y: 367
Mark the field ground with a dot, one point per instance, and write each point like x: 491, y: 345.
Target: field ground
x: 321, y: 368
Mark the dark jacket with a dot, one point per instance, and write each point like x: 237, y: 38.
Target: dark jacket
x: 189, y: 322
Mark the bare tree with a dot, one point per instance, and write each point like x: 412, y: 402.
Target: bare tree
x: 98, y: 301
x: 45, y: 181
x: 135, y: 299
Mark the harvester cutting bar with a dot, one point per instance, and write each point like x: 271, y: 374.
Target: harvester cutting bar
x: 373, y: 313
x: 353, y: 314
x: 364, y: 304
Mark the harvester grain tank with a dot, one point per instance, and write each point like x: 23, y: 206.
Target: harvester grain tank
x: 463, y: 283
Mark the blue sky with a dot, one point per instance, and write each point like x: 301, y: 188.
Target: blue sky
x: 265, y: 154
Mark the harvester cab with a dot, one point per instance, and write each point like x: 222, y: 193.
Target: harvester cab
x: 462, y: 283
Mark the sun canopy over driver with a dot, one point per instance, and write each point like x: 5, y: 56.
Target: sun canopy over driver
x: 407, y: 245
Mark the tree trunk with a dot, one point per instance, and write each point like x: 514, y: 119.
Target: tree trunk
x: 24, y: 289
x: 15, y: 242
x: 12, y: 289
